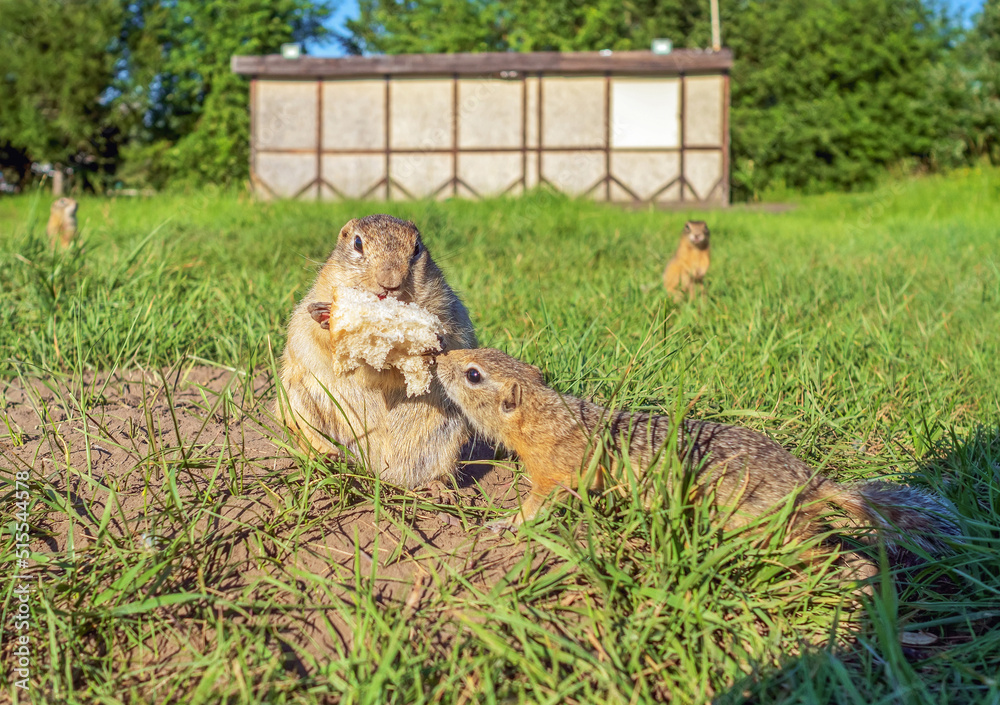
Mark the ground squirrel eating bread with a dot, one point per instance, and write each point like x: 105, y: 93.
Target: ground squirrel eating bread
x: 61, y: 227
x: 686, y: 270
x: 406, y: 440
x: 555, y: 436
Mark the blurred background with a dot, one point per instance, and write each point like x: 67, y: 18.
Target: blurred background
x: 827, y: 95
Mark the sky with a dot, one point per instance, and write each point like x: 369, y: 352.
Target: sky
x: 348, y: 9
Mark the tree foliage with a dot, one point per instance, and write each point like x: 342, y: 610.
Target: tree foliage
x: 392, y: 27
x: 825, y: 93
x: 57, y: 68
x: 983, y: 50
x: 93, y: 83
x: 828, y: 93
x: 197, y: 127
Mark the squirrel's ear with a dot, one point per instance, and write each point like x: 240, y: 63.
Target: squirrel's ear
x: 345, y: 231
x: 320, y: 311
x: 513, y: 398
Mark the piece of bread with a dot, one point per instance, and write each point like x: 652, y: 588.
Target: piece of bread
x: 383, y: 333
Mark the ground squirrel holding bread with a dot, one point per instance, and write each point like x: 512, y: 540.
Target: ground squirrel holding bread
x: 406, y: 441
x: 61, y: 227
x: 556, y: 436
x: 686, y: 270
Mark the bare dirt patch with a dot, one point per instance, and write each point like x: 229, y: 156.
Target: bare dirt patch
x: 186, y: 474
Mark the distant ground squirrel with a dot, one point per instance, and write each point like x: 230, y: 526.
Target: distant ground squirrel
x: 61, y: 228
x: 407, y: 441
x: 554, y: 434
x: 686, y: 270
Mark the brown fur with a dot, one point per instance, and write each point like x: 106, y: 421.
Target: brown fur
x: 408, y: 441
x: 61, y: 228
x: 686, y: 270
x: 555, y: 436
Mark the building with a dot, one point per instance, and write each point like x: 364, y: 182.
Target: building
x: 622, y: 126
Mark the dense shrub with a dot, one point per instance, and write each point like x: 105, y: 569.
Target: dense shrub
x: 826, y: 94
x: 142, y: 85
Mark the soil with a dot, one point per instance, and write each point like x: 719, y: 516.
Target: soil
x: 198, y: 472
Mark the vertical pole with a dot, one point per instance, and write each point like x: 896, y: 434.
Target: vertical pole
x: 607, y: 136
x: 454, y: 134
x: 538, y: 165
x: 725, y: 139
x: 388, y: 180
x: 716, y: 27
x: 253, y: 134
x: 524, y: 133
x: 683, y: 180
x: 319, y: 138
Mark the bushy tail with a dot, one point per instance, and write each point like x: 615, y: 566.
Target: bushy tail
x: 905, y: 517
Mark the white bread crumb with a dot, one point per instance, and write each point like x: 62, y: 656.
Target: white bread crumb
x: 383, y: 333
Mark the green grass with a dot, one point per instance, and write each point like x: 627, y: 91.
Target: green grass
x: 862, y: 331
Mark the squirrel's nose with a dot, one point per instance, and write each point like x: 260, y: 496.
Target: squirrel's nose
x: 390, y: 279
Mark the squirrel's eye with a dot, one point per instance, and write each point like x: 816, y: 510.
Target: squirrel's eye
x: 358, y: 245
x: 416, y: 249
x: 472, y: 374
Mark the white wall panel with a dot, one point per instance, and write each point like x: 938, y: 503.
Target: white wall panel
x: 354, y: 114
x: 286, y: 115
x: 703, y: 110
x: 645, y: 113
x: 420, y: 113
x: 286, y: 174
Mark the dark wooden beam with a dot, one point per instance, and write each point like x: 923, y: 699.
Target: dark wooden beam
x: 680, y: 61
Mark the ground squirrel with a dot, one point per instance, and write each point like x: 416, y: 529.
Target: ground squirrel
x: 61, y: 228
x: 686, y: 270
x: 555, y: 436
x: 407, y: 441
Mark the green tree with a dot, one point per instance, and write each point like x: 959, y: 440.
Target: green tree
x: 196, y: 125
x: 431, y: 26
x: 88, y: 83
x: 391, y: 27
x: 571, y: 25
x: 825, y: 93
x: 58, y: 63
x: 983, y: 52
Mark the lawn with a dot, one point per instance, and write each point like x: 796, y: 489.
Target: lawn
x: 181, y: 551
